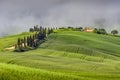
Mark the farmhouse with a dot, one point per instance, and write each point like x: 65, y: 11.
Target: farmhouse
x: 89, y: 29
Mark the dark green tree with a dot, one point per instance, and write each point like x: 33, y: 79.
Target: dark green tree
x: 95, y: 30
x: 18, y: 41
x: 31, y: 30
x: 48, y: 30
x: 28, y: 41
x: 80, y: 28
x: 22, y: 43
x: 40, y: 28
x: 25, y: 41
x: 51, y: 31
x: 31, y: 41
x: 114, y: 32
x: 19, y: 44
x: 102, y: 31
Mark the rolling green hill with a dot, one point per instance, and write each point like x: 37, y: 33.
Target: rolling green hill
x: 65, y: 55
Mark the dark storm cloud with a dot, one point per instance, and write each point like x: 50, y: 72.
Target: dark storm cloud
x: 19, y: 15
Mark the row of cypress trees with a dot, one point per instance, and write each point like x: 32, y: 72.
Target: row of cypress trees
x: 33, y: 41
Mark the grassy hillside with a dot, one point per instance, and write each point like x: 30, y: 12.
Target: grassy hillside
x: 11, y: 40
x: 66, y: 55
x: 86, y: 42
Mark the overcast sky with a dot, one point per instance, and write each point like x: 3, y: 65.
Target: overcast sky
x: 18, y: 15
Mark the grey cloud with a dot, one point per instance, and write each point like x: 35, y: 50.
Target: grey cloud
x: 18, y: 15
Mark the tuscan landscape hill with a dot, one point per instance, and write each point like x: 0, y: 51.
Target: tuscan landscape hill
x: 65, y: 55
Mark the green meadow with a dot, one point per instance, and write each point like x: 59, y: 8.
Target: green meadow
x: 65, y: 55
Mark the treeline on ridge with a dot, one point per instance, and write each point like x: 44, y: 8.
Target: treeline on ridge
x: 90, y: 29
x: 33, y: 41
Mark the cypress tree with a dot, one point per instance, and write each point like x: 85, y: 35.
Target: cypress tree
x: 18, y: 41
x: 39, y: 36
x: 31, y: 41
x: 24, y: 41
x: 28, y: 44
x: 33, y: 37
x: 40, y: 28
x: 48, y: 30
x: 51, y: 31
x: 31, y: 30
x: 19, y: 44
x: 44, y: 32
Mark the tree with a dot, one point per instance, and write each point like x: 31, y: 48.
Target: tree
x: 28, y: 42
x: 102, y: 31
x: 114, y: 32
x: 48, y: 30
x: 18, y: 41
x: 33, y: 37
x: 39, y: 35
x: 19, y: 44
x: 51, y: 30
x: 31, y: 30
x: 80, y: 28
x: 25, y: 41
x: 95, y: 30
x: 36, y: 28
x: 44, y: 32
x: 40, y: 28
x: 33, y: 41
x: 69, y: 27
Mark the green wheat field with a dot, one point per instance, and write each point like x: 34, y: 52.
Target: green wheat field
x: 65, y: 55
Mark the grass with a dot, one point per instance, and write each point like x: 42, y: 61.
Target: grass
x: 11, y: 40
x: 66, y: 55
x: 25, y: 73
